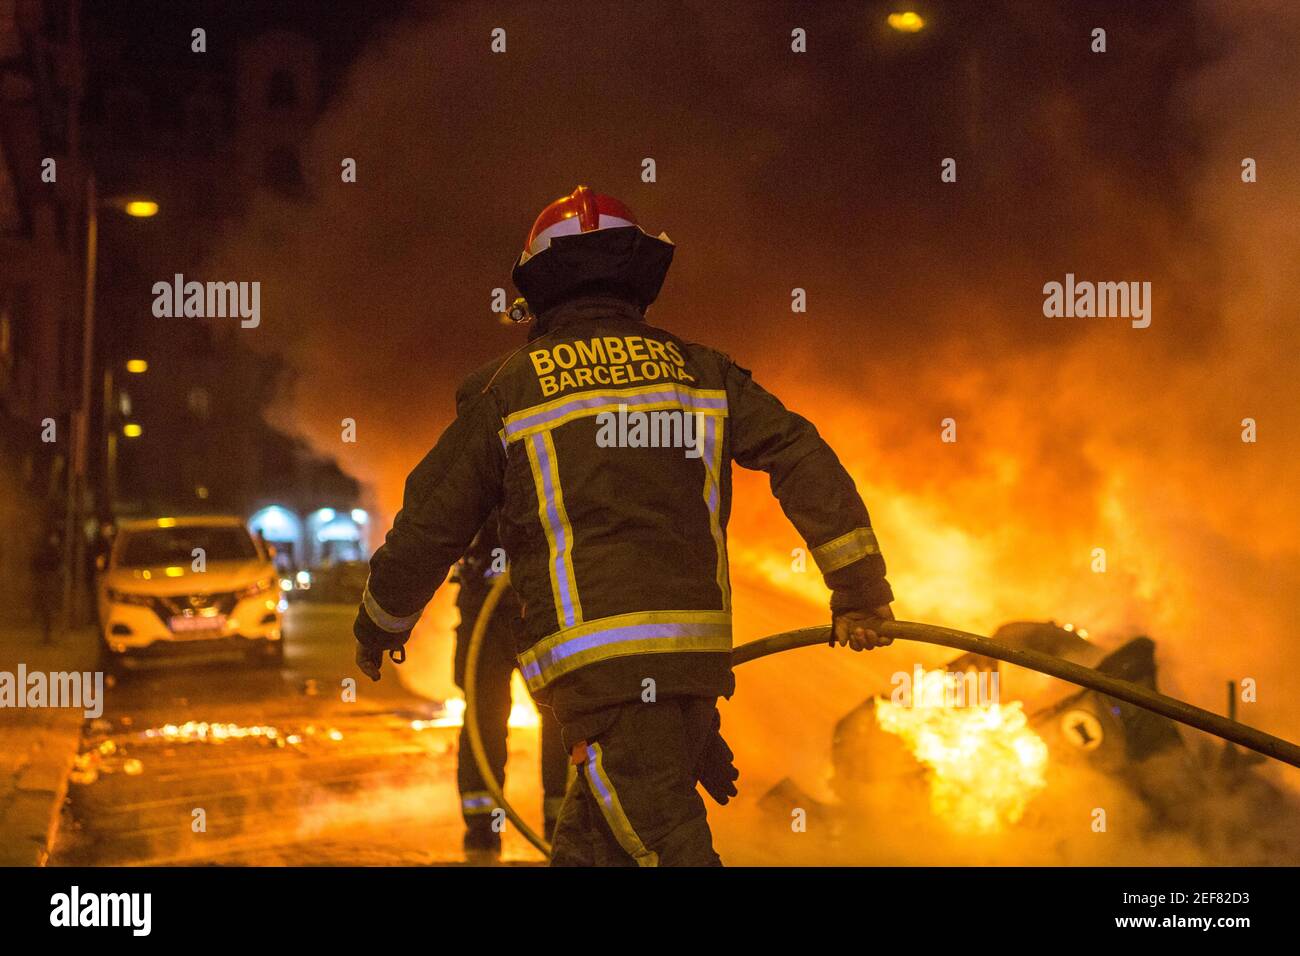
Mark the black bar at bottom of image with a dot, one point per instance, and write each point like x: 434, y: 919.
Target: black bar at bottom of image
x: 204, y: 904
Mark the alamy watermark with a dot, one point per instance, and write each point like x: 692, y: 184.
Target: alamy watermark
x: 83, y: 689
x: 1085, y: 300
x: 208, y: 300
x: 673, y: 428
x: 940, y: 688
x: 75, y: 908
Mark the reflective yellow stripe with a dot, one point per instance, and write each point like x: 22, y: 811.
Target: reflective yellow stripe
x: 712, y: 456
x: 614, y: 396
x: 613, y: 406
x: 623, y: 635
x: 552, y: 414
x: 845, y: 549
x: 383, y: 620
x: 559, y: 533
x: 612, y: 808
x: 567, y: 550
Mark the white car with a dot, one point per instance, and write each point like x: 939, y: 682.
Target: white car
x: 189, y: 585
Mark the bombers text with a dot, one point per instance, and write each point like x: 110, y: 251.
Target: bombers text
x: 607, y: 360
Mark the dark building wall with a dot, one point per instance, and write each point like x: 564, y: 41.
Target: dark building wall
x: 120, y: 92
x: 40, y: 284
x: 206, y: 135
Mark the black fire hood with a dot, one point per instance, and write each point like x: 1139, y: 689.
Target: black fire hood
x: 624, y: 262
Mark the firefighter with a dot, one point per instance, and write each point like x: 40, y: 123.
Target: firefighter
x: 484, y: 560
x: 607, y: 444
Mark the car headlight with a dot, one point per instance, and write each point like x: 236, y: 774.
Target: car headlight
x: 260, y: 586
x: 122, y: 597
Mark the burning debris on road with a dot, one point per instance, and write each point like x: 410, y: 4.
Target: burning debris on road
x: 1041, y: 770
x: 985, y: 763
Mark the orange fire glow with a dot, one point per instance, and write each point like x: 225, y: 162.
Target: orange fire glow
x: 984, y: 764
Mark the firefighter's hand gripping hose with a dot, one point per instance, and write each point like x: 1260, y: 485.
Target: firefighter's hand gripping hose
x: 1174, y: 709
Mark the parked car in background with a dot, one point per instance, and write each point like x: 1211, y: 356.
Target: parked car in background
x: 187, y: 586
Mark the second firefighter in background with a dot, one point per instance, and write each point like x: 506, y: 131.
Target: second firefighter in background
x: 483, y: 562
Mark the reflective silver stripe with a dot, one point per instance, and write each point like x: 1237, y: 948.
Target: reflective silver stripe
x: 383, y: 620
x: 647, y: 632
x: 712, y: 457
x: 602, y: 788
x: 845, y: 549
x: 555, y: 522
x: 665, y: 395
x: 475, y: 802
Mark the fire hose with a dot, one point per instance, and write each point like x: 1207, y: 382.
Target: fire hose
x: 1136, y: 694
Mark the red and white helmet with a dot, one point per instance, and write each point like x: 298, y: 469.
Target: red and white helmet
x: 589, y: 241
x: 580, y: 211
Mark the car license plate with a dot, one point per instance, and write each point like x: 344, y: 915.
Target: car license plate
x: 187, y: 625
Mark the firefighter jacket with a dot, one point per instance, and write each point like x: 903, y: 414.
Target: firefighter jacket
x: 475, y: 571
x: 607, y: 444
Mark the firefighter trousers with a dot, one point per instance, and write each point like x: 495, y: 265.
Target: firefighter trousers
x: 496, y: 664
x: 634, y: 800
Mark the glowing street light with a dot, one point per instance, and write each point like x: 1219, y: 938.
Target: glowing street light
x: 132, y: 430
x: 908, y: 21
x: 137, y: 366
x: 141, y: 208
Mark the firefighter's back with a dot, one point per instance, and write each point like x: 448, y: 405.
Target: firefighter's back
x: 615, y: 508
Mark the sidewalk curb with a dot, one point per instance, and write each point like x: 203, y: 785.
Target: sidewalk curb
x: 41, y: 748
x: 31, y: 821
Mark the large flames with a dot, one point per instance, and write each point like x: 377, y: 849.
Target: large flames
x: 983, y: 763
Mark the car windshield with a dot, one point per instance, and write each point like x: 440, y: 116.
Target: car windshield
x: 143, y: 549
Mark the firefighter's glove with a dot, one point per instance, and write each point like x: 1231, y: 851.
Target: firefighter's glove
x: 717, y: 771
x: 373, y: 642
x: 860, y: 629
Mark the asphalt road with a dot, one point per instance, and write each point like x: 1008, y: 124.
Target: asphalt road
x: 230, y: 762
x: 284, y: 771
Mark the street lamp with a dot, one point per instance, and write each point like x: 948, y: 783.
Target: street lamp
x: 140, y: 208
x: 135, y: 366
x: 906, y: 21
x: 74, y: 538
